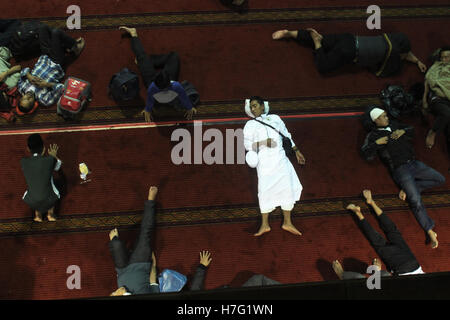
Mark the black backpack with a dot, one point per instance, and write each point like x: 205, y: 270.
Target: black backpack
x: 396, y: 101
x: 124, y: 85
x: 25, y: 40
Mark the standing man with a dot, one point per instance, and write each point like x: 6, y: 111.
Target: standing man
x: 42, y: 193
x: 393, y: 143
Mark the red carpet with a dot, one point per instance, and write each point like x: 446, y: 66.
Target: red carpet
x: 227, y: 58
x: 39, y: 263
x: 132, y: 159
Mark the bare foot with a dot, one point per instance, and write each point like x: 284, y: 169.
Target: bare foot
x: 51, y: 217
x: 290, y: 228
x: 113, y: 233
x: 238, y: 2
x: 263, y: 229
x: 429, y: 141
x: 433, y: 238
x: 131, y: 31
x: 152, y: 192
x: 368, y: 195
x: 79, y: 46
x: 377, y: 263
x: 356, y: 210
x: 337, y: 267
x: 38, y: 216
x: 402, y: 195
x: 280, y: 34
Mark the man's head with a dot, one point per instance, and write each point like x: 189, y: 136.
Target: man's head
x: 35, y: 144
x: 379, y: 117
x: 26, y: 102
x: 257, y: 106
x: 162, y: 80
x: 444, y: 54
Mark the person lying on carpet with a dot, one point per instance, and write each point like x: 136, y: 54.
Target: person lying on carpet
x: 393, y: 143
x: 436, y: 97
x: 395, y: 252
x: 382, y: 55
x: 42, y: 85
x: 347, y: 275
x: 278, y: 183
x: 136, y: 273
x: 42, y: 193
x: 163, y: 86
x: 9, y: 77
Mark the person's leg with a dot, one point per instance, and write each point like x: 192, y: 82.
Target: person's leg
x: 57, y: 53
x: 144, y: 62
x: 38, y: 216
x: 404, y: 176
x: 375, y: 239
x: 287, y: 222
x: 45, y: 36
x: 426, y: 177
x: 265, y: 227
x: 118, y: 250
x: 143, y: 251
x: 441, y: 111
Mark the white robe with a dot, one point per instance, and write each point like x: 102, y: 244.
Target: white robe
x: 278, y: 183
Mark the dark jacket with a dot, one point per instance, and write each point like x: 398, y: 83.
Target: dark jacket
x: 395, y: 152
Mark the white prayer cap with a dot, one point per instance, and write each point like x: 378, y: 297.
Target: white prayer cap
x: 249, y: 112
x: 252, y: 159
x: 375, y: 113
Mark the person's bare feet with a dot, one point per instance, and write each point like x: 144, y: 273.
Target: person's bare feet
x: 402, y: 195
x: 289, y: 227
x: 238, y: 2
x: 263, y: 229
x: 131, y: 31
x: 280, y: 34
x: 38, y: 216
x: 431, y: 137
x: 152, y: 192
x: 433, y: 238
x: 368, y: 196
x: 113, y: 233
x: 337, y: 267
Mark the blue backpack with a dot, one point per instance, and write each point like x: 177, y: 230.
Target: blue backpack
x: 124, y: 85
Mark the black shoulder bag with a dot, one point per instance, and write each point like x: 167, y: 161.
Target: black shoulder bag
x: 287, y: 145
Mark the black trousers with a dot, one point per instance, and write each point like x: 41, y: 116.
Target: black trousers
x: 338, y: 50
x: 394, y: 251
x: 142, y: 251
x: 148, y: 64
x: 54, y: 42
x: 7, y: 29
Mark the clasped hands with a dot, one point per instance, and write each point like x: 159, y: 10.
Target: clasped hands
x: 394, y: 135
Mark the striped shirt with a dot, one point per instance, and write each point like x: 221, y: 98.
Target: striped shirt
x: 48, y: 71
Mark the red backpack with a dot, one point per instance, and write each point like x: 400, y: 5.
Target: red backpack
x: 75, y: 96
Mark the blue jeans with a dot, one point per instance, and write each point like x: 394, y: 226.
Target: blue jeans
x: 414, y: 177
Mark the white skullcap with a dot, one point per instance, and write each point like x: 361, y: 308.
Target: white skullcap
x: 249, y: 112
x: 375, y: 113
x: 252, y: 159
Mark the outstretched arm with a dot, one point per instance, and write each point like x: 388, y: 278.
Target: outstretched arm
x: 412, y: 58
x: 200, y: 273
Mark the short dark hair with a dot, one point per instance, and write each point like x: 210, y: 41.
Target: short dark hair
x: 162, y: 80
x: 258, y: 99
x: 35, y: 143
x: 444, y: 48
